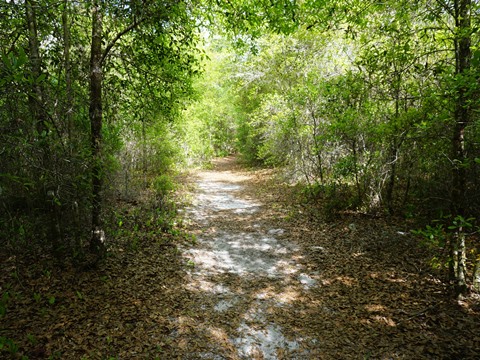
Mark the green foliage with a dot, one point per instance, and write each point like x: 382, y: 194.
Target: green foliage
x: 9, y: 346
x: 208, y: 126
x: 365, y: 108
x: 459, y: 223
x: 4, y: 300
x: 163, y: 185
x: 441, y: 238
x: 433, y: 236
x: 37, y: 297
x: 148, y: 70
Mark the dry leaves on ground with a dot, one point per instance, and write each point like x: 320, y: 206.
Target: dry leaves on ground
x: 373, y: 295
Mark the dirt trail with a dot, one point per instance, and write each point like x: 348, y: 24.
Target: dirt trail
x: 268, y: 279
x: 246, y: 273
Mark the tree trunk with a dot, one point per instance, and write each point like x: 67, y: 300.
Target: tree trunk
x: 394, y: 147
x: 461, y: 263
x: 35, y: 96
x: 476, y: 277
x: 95, y: 114
x: 462, y: 118
x: 67, y: 68
x: 392, y: 177
x: 318, y: 152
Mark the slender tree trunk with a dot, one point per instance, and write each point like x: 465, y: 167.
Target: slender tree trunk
x: 67, y: 68
x: 355, y: 170
x: 461, y: 285
x: 462, y: 118
x: 392, y: 177
x: 97, y: 58
x: 144, y: 149
x: 318, y: 152
x: 476, y: 276
x: 95, y: 114
x: 35, y: 97
x: 394, y: 148
x: 462, y: 113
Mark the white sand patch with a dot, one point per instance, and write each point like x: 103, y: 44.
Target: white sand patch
x: 268, y: 341
x: 252, y: 252
x: 306, y: 280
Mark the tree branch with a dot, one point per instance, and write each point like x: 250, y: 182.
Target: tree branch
x: 118, y: 36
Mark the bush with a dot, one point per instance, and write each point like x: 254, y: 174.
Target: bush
x: 163, y: 185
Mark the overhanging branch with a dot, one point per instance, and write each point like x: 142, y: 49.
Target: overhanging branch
x: 119, y: 35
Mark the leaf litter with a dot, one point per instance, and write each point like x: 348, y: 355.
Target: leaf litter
x: 267, y: 278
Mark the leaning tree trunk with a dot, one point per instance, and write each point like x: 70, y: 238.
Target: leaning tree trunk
x: 462, y: 118
x: 95, y: 114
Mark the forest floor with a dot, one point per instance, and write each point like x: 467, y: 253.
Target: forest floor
x: 262, y: 276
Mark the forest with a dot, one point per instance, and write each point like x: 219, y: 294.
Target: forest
x: 357, y: 119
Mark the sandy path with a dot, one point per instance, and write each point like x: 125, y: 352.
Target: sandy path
x: 245, y: 275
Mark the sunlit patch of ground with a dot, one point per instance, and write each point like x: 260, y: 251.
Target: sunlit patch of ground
x: 252, y: 262
x: 278, y: 282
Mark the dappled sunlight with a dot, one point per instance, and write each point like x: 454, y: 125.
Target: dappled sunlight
x: 243, y: 254
x: 375, y: 308
x: 346, y: 280
x: 219, y: 335
x: 260, y: 288
x: 243, y: 271
x: 288, y: 295
x: 268, y: 342
x: 383, y: 320
x: 205, y: 285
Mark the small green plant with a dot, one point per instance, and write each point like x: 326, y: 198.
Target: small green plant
x: 43, y: 312
x: 8, y: 345
x: 445, y: 235
x: 15, y: 275
x: 55, y: 355
x: 4, y: 300
x: 459, y: 223
x: 51, y: 300
x: 433, y: 236
x: 37, y: 297
x: 134, y: 243
x: 32, y: 339
x: 174, y: 232
x: 163, y: 185
x: 313, y: 191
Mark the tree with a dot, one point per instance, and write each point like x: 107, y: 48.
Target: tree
x: 95, y: 113
x: 462, y: 115
x: 158, y: 16
x: 52, y: 145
